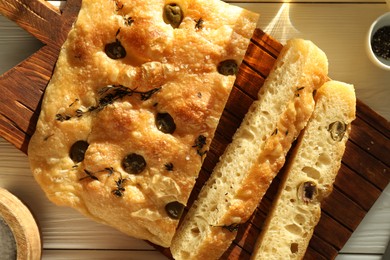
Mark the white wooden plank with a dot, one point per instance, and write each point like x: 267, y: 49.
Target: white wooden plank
x: 373, y: 234
x: 358, y: 257
x: 14, y: 38
x: 100, y: 255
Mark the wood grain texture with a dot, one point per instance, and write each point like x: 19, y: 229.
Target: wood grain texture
x: 22, y: 86
x: 349, y: 184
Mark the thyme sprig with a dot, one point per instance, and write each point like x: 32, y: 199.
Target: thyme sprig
x: 169, y: 166
x: 200, y: 142
x: 232, y: 227
x: 89, y: 175
x: 199, y: 24
x: 108, y: 170
x: 119, y: 189
x: 109, y: 95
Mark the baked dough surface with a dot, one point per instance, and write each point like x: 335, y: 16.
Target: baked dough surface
x: 132, y: 107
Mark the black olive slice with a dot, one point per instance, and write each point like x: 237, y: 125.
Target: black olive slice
x: 174, y: 209
x: 165, y: 123
x: 228, y: 67
x: 134, y: 163
x: 77, y: 151
x: 307, y: 191
x: 337, y: 130
x: 173, y: 15
x: 115, y: 50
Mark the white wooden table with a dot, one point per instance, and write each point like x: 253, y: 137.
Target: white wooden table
x: 338, y: 27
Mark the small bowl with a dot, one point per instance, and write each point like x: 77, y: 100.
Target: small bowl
x: 383, y: 20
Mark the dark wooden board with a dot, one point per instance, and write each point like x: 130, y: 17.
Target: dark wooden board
x: 363, y: 175
x: 22, y: 86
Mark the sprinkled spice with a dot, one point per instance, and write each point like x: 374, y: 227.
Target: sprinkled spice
x: 380, y: 42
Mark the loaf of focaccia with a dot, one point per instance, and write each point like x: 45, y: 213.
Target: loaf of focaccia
x: 309, y: 175
x: 132, y: 106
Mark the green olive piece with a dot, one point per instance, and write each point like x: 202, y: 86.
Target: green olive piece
x: 115, y: 50
x: 174, y: 209
x: 228, y: 67
x: 165, y: 123
x: 134, y: 163
x: 173, y: 15
x: 77, y: 151
x: 337, y: 130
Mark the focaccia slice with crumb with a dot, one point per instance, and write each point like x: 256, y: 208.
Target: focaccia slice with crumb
x: 309, y: 175
x: 257, y: 152
x: 132, y: 107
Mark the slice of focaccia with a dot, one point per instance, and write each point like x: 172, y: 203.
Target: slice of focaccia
x: 255, y: 155
x: 132, y: 106
x: 309, y: 175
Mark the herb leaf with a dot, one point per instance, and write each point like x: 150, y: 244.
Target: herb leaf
x: 89, y: 175
x: 232, y: 227
x: 200, y: 142
x: 119, y: 187
x: 199, y: 24
x: 109, y: 95
x: 169, y: 166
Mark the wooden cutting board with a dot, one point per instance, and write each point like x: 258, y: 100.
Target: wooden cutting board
x: 363, y: 175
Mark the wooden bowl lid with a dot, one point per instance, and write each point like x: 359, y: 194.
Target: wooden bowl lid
x: 22, y: 224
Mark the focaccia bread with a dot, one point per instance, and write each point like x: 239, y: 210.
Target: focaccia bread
x: 255, y: 155
x: 132, y: 107
x: 309, y: 175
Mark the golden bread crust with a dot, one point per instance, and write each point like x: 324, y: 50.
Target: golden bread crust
x: 115, y: 104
